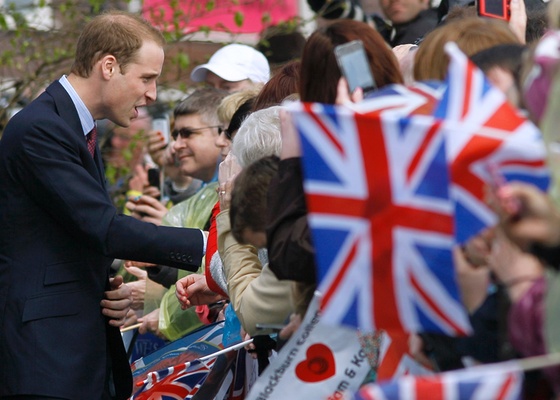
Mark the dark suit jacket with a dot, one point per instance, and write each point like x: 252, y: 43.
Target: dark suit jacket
x: 58, y: 235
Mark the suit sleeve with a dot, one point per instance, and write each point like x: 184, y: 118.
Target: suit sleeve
x: 53, y: 165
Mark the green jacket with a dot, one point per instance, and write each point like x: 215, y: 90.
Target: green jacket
x: 191, y: 213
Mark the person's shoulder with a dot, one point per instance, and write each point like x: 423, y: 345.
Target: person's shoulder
x: 179, y: 213
x: 431, y: 14
x: 38, y: 114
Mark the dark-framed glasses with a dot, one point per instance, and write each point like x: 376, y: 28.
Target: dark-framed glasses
x: 228, y: 134
x: 185, y: 133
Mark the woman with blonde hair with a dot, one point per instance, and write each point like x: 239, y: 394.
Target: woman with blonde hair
x: 472, y: 34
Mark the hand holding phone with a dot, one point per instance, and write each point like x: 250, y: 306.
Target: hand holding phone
x: 162, y: 125
x: 494, y: 9
x: 354, y: 66
x: 154, y: 177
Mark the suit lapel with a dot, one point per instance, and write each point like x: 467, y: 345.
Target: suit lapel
x: 67, y: 110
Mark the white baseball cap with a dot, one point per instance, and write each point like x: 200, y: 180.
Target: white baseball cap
x: 233, y: 63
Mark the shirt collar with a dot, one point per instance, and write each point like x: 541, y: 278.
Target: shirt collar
x: 86, y: 119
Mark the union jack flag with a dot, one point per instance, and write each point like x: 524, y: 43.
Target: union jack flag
x: 395, y: 359
x: 420, y: 98
x: 381, y: 220
x: 175, y: 383
x: 483, y: 129
x: 498, y: 382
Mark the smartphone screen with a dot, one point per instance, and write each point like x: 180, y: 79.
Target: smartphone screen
x: 354, y: 65
x: 161, y: 125
x: 493, y: 8
x: 153, y: 177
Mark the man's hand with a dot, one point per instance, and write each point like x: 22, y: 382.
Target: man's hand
x: 192, y: 290
x: 147, y: 209
x: 228, y: 171
x: 518, y: 19
x: 344, y: 97
x: 150, y: 323
x: 291, y: 328
x: 160, y: 152
x: 117, y: 302
x: 138, y: 288
x: 131, y: 319
x: 291, y: 146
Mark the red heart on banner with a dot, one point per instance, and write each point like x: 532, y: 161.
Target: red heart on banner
x: 318, y: 366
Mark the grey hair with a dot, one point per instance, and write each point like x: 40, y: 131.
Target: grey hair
x: 203, y: 102
x: 258, y: 136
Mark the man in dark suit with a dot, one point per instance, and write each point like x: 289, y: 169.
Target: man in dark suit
x: 59, y: 309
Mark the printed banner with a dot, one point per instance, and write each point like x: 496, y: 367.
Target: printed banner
x: 318, y: 362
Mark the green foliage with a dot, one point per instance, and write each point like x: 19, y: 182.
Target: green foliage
x: 183, y: 60
x: 239, y: 18
x: 118, y: 176
x: 32, y: 56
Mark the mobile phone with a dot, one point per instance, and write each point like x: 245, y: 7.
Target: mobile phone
x: 153, y: 177
x: 353, y: 63
x: 161, y: 124
x: 494, y: 9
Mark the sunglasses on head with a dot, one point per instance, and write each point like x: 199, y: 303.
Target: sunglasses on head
x: 185, y: 133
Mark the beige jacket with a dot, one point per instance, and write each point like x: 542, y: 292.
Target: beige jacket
x: 256, y: 294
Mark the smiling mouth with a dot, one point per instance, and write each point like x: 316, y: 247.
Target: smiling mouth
x: 184, y: 156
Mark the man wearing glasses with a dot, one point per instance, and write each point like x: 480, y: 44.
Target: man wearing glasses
x: 196, y: 128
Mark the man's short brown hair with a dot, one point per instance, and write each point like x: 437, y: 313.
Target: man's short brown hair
x: 118, y: 33
x: 248, y: 209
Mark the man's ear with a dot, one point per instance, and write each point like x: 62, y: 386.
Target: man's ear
x: 109, y: 66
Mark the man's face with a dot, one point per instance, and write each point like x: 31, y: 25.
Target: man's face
x: 134, y: 88
x: 216, y: 82
x: 224, y: 144
x: 402, y: 11
x: 198, y: 154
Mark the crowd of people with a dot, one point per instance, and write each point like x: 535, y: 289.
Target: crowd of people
x: 179, y: 230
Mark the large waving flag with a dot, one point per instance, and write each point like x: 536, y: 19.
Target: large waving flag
x: 395, y: 359
x: 502, y: 381
x: 419, y: 98
x: 391, y: 188
x: 381, y: 220
x: 482, y: 129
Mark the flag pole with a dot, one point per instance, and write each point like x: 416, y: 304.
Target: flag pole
x: 538, y: 362
x: 151, y: 375
x: 131, y: 327
x: 523, y: 364
x: 226, y: 350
